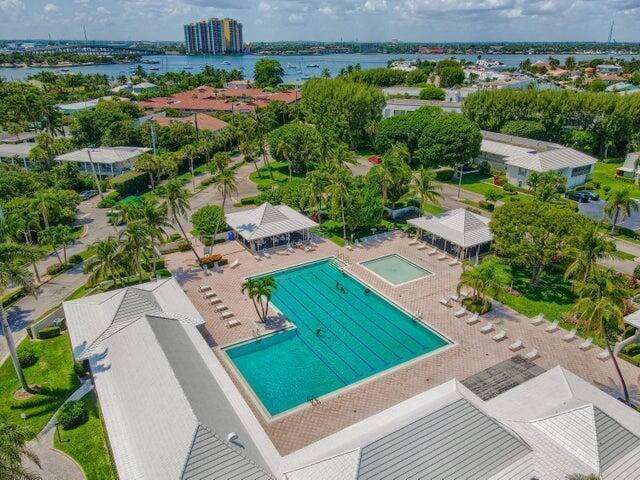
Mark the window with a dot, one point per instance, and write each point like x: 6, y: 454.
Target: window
x: 578, y: 171
x: 522, y: 172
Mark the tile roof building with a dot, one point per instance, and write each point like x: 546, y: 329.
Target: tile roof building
x: 201, y: 120
x: 107, y: 161
x: 209, y: 99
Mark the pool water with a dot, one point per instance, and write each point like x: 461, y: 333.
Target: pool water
x: 342, y: 337
x: 396, y: 269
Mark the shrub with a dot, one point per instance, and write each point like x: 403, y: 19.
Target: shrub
x: 27, y: 357
x: 524, y: 128
x: 626, y: 232
x: 131, y: 183
x: 57, y: 268
x: 175, y: 236
x: 13, y: 297
x: 73, y: 414
x: 75, y: 259
x: 485, y: 168
x: 209, y: 260
x: 81, y: 367
x: 476, y: 307
x: 636, y: 272
x: 183, y: 245
x: 48, y: 332
x: 444, y: 174
x: 507, y: 187
x: 606, y: 188
x: 487, y: 206
x: 207, y: 181
x: 249, y: 200
x: 109, y: 200
x: 431, y: 92
x: 632, y: 349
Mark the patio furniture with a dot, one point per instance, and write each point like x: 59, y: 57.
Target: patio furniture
x: 290, y: 250
x: 445, y: 302
x: 517, y: 345
x: 604, y: 355
x: 309, y: 248
x: 221, y: 307
x: 432, y: 252
x: 215, y: 301
x: 538, y: 319
x: 350, y: 248
x: 204, y: 288
x: 453, y: 263
x: 415, y: 241
x: 422, y: 247
x: 473, y: 319
x: 258, y: 258
x: 443, y: 257
x: 210, y: 294
x: 227, y: 314
x: 235, y: 263
x: 266, y: 255
x: 455, y: 297
x: 586, y: 345
x: 460, y: 313
x: 359, y: 244
x: 553, y: 327
x: 234, y: 322
x: 487, y: 328
x: 501, y: 335
x: 534, y: 353
x: 570, y: 336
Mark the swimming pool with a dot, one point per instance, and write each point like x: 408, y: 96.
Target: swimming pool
x: 345, y: 333
x: 396, y: 269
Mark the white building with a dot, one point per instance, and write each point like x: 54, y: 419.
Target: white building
x: 629, y: 168
x: 400, y: 106
x: 518, y: 157
x: 107, y: 161
x: 16, y: 153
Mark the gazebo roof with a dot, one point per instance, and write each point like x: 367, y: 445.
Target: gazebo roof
x: 268, y: 221
x: 460, y: 226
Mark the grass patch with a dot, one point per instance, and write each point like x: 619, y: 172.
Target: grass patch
x: 280, y: 171
x: 87, y: 444
x: 433, y: 209
x: 482, y: 184
x: 605, y: 175
x: 624, y: 255
x: 53, y: 372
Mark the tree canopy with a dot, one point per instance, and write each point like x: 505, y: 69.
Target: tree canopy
x: 296, y: 143
x: 448, y: 139
x: 405, y: 128
x: 431, y: 92
x: 267, y: 72
x: 524, y: 128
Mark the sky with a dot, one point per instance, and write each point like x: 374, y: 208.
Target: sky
x: 328, y: 20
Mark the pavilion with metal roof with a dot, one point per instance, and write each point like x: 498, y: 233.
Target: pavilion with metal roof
x: 269, y: 226
x: 459, y: 232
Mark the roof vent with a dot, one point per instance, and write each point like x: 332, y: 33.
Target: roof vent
x: 232, y: 437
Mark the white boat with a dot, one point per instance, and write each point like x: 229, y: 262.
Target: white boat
x: 290, y: 65
x: 187, y: 67
x: 306, y: 77
x: 225, y: 63
x: 313, y: 65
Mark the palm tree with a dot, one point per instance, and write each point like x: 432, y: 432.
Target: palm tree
x: 487, y: 279
x: 21, y: 226
x: 249, y: 151
x: 154, y: 215
x: 136, y: 242
x: 226, y: 184
x: 313, y: 192
x: 177, y: 205
x: 13, y: 440
x: 587, y: 247
x: 250, y: 286
x: 219, y: 162
x: 600, y: 310
x: 106, y: 262
x: 423, y: 185
x: 619, y: 206
x: 340, y: 194
x: 42, y: 201
x: 13, y: 273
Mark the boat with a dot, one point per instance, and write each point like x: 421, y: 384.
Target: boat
x: 64, y: 70
x: 186, y: 67
x: 155, y: 68
x: 291, y: 65
x: 225, y: 63
x: 313, y: 65
x: 306, y: 77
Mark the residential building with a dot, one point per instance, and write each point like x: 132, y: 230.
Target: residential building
x: 609, y: 69
x: 136, y: 89
x: 518, y: 157
x: 208, y: 99
x: 215, y: 36
x: 400, y: 106
x: 75, y: 107
x: 631, y: 165
x: 22, y: 137
x: 623, y: 88
x: 16, y: 153
x: 198, y: 120
x: 104, y: 161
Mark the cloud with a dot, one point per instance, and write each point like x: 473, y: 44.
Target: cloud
x: 50, y: 7
x: 295, y: 19
x: 103, y: 15
x: 374, y: 6
x: 10, y: 10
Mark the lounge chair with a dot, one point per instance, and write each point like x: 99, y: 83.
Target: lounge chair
x: 415, y: 241
x: 432, y: 252
x: 553, y: 327
x: 473, y: 319
x: 350, y: 248
x: 234, y: 322
x: 204, y: 288
x: 443, y: 257
x: 455, y: 297
x: 235, y: 263
x: 221, y: 307
x: 423, y: 247
x: 538, y: 319
x: 215, y: 301
x: 454, y: 262
x: 309, y: 248
x: 501, y: 335
x: 227, y: 314
x: 570, y: 336
x: 604, y: 355
x: 258, y: 258
x: 445, y: 302
x: 586, y: 345
x: 266, y: 254
x: 359, y: 244
x: 532, y: 354
x: 517, y: 345
x: 461, y: 313
x: 290, y: 250
x: 210, y: 294
x: 487, y: 328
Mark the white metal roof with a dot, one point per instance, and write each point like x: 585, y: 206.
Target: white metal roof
x: 268, y: 221
x: 630, y: 162
x: 106, y: 155
x: 550, y: 160
x: 502, y: 149
x: 20, y: 150
x: 460, y: 226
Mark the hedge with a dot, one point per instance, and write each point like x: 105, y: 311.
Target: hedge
x: 55, y: 269
x: 444, y: 174
x: 632, y: 349
x: 109, y: 200
x: 48, y: 332
x: 27, y: 357
x: 13, y: 297
x: 73, y: 414
x: 130, y: 183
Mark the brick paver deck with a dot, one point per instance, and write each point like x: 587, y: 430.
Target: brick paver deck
x: 471, y: 353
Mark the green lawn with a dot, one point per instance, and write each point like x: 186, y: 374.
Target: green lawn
x: 53, y: 373
x: 87, y: 444
x: 433, y: 209
x: 604, y: 173
x: 482, y: 184
x: 280, y: 172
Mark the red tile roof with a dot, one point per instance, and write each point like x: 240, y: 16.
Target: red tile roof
x: 205, y: 122
x: 208, y: 99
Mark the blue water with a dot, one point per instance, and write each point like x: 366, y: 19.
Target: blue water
x: 361, y: 335
x: 396, y: 269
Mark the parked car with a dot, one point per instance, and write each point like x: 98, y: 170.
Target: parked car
x: 87, y: 194
x: 578, y: 196
x: 375, y: 159
x: 591, y: 194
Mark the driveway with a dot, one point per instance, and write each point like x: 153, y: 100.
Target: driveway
x: 595, y: 210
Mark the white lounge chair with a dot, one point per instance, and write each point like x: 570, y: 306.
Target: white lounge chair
x: 453, y: 263
x: 442, y: 257
x: 553, y: 327
x: 570, y: 336
x: 210, y: 294
x: 586, y: 345
x: 432, y: 252
x: 234, y: 322
x: 227, y: 314
x: 235, y: 263
x: 538, y: 319
x: 455, y: 297
x: 290, y: 250
x: 517, y: 345
x: 461, y: 313
x: 487, y: 328
x: 266, y: 254
x: 473, y: 319
x: 501, y: 335
x: 604, y: 355
x: 359, y: 244
x: 309, y: 248
x: 445, y: 302
x: 423, y: 247
x: 532, y: 354
x: 221, y: 307
x: 215, y: 301
x: 415, y: 241
x: 204, y: 288
x: 258, y: 258
x: 350, y: 248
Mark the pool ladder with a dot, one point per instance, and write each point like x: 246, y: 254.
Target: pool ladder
x: 416, y: 317
x: 314, y: 401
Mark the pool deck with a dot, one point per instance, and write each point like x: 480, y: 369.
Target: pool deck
x: 472, y: 353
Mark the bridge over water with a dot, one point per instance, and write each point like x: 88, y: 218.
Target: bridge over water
x: 97, y: 49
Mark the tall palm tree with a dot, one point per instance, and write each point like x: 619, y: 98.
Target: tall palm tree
x: 340, y: 194
x: 42, y: 202
x: 136, y: 242
x: 154, y: 215
x: 487, y: 279
x: 219, y: 162
x: 249, y: 150
x: 619, y: 206
x: 175, y: 200
x: 600, y: 310
x: 13, y: 446
x: 106, y: 262
x: 226, y: 184
x: 587, y: 247
x: 22, y: 226
x: 250, y: 286
x: 12, y: 272
x: 423, y: 185
x: 313, y: 192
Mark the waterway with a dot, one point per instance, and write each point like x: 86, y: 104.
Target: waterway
x: 297, y: 67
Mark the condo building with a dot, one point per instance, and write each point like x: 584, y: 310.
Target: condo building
x: 217, y: 36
